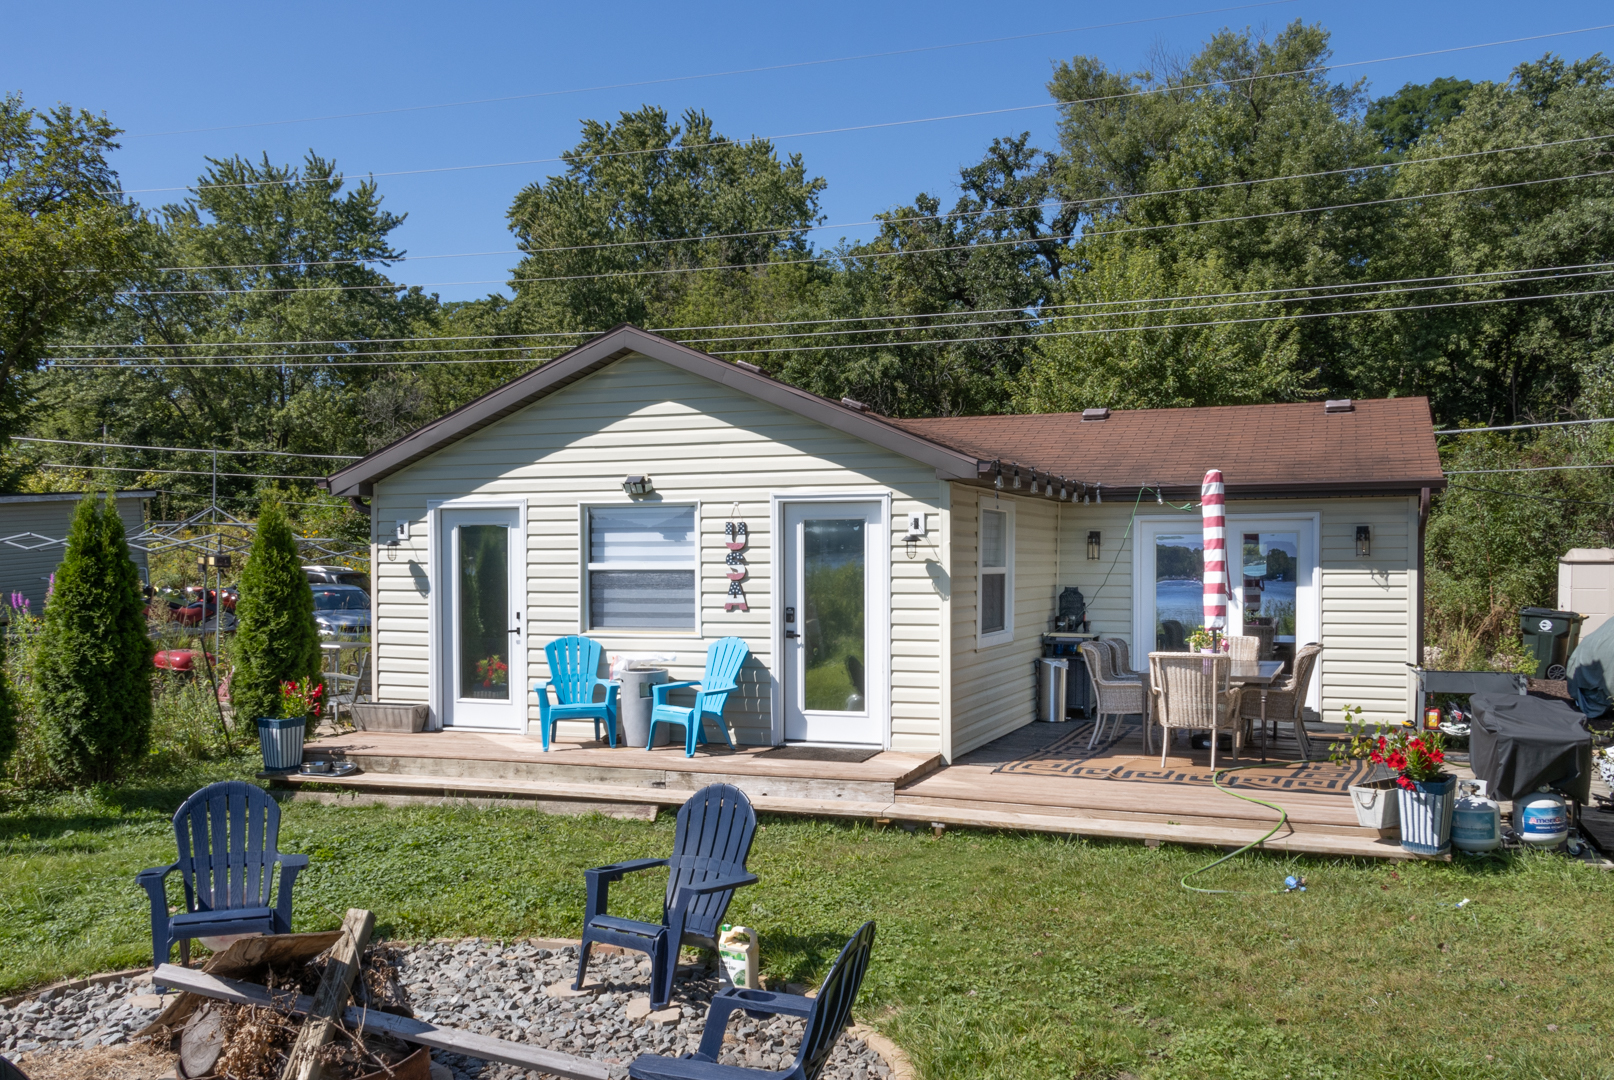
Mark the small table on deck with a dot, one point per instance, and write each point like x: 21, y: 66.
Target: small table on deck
x: 1261, y: 674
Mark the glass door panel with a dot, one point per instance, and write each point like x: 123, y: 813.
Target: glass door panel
x: 1271, y: 572
x: 834, y: 611
x: 482, y: 583
x: 1179, y: 589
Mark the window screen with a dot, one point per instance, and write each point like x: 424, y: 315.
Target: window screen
x: 641, y: 568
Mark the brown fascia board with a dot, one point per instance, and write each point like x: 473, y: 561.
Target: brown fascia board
x: 359, y: 478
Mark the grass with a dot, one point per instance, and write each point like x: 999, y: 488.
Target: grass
x: 998, y: 956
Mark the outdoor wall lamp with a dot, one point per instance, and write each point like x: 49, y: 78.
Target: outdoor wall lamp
x: 638, y: 485
x: 1092, y: 545
x: 1364, y: 541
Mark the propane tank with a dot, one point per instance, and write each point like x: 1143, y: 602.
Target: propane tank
x: 1476, y: 821
x: 1542, y: 818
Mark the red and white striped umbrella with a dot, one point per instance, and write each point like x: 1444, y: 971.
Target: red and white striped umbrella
x: 1213, y: 512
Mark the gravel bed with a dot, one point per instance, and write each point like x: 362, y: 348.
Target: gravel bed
x: 519, y: 991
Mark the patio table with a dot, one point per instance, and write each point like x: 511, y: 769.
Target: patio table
x: 1262, y: 673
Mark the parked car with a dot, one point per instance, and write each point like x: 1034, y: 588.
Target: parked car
x: 337, y: 575
x: 342, y: 611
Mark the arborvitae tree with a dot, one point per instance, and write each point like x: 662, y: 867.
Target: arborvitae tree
x: 94, y: 667
x: 8, y: 710
x: 276, y: 640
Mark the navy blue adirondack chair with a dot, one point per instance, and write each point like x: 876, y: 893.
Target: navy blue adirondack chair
x: 721, y: 678
x: 227, y: 834
x: 574, y: 674
x: 827, y: 1015
x: 710, y: 847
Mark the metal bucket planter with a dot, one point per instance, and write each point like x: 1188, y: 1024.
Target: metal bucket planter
x: 1426, y: 812
x: 1376, y: 804
x: 282, y: 742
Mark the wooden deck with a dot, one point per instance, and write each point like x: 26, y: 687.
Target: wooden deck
x: 1040, y: 778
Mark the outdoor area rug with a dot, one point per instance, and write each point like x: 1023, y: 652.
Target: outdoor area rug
x: 849, y: 755
x: 1123, y: 758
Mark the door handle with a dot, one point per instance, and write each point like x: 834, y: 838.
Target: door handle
x: 791, y: 634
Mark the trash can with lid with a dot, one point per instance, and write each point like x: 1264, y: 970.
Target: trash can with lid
x: 1051, y: 675
x: 633, y: 707
x: 1550, y: 636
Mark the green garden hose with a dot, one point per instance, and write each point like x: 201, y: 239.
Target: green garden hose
x: 1283, y: 817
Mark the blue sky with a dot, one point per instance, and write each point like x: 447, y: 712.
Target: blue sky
x: 160, y: 69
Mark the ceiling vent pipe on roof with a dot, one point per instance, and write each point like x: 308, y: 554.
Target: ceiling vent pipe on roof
x: 1338, y: 405
x: 1095, y: 414
x: 853, y: 403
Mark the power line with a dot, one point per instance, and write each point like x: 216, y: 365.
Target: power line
x: 1521, y: 427
x: 1534, y: 498
x: 181, y: 449
x: 852, y: 258
x: 1177, y: 88
x: 1055, y: 204
x: 710, y: 75
x: 1477, y: 274
x: 1533, y: 468
x: 173, y: 472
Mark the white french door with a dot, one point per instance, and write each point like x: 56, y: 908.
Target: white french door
x: 480, y: 652
x: 834, y: 664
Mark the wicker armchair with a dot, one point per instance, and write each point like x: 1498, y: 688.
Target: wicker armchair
x: 1286, y: 699
x: 1123, y: 660
x: 1191, y: 690
x: 1243, y: 650
x: 1116, y: 697
x: 1264, y: 633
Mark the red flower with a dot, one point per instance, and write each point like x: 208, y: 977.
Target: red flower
x: 1403, y: 782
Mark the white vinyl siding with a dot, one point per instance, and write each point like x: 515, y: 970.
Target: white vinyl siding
x: 702, y: 443
x: 642, y: 563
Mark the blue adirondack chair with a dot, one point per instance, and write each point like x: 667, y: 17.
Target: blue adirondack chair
x: 574, y: 673
x: 227, y: 834
x: 723, y: 662
x: 710, y: 846
x: 827, y: 1015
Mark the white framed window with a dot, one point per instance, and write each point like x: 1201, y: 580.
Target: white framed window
x: 641, y: 568
x: 995, y: 574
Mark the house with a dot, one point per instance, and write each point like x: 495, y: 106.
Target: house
x: 33, y: 529
x: 893, y: 579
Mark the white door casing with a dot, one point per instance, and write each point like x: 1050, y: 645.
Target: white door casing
x: 823, y: 544
x: 471, y: 540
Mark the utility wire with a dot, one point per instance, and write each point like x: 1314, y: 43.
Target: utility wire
x: 1534, y: 498
x: 1477, y: 274
x: 1521, y: 427
x: 1533, y: 468
x: 181, y: 449
x: 726, y: 144
x: 712, y: 74
x: 1053, y: 204
x: 173, y: 472
x: 846, y: 257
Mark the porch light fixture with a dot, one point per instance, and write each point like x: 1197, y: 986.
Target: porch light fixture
x: 1364, y: 541
x: 1092, y: 545
x: 638, y: 485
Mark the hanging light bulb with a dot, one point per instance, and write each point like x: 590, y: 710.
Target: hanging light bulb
x: 1033, y: 481
x: 1158, y: 497
x: 1017, y: 478
x: 997, y: 481
x: 1100, y: 494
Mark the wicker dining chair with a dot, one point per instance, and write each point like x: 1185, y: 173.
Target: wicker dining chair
x: 1286, y: 699
x: 1117, y: 697
x: 1191, y: 690
x: 1264, y: 634
x: 1243, y: 649
x: 1123, y: 660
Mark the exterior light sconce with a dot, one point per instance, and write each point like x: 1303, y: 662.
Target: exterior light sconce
x: 638, y: 485
x: 1092, y: 545
x: 1364, y: 541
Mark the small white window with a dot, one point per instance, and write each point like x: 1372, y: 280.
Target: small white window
x: 996, y: 590
x: 641, y: 569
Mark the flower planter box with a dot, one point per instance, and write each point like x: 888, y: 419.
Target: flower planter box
x: 282, y: 742
x: 384, y: 716
x: 1426, y: 812
x: 1377, y: 805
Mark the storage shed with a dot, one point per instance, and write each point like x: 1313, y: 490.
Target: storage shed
x: 896, y: 577
x: 32, y: 531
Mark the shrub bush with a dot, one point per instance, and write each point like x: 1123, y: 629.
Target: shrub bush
x: 276, y: 639
x: 92, y: 670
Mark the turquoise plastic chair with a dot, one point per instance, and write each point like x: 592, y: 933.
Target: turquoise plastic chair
x: 723, y: 662
x: 574, y: 666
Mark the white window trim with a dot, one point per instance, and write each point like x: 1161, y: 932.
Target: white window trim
x: 984, y: 640
x: 584, y: 566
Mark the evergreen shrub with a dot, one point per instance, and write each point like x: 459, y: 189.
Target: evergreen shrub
x: 276, y: 638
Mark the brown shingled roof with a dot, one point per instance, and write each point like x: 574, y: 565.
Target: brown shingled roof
x: 1382, y: 445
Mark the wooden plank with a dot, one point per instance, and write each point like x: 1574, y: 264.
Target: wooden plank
x: 415, y: 1031
x: 335, y: 987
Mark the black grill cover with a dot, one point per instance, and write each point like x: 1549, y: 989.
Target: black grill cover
x: 1519, y: 743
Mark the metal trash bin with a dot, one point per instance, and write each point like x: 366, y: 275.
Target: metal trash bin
x: 1550, y: 636
x: 1051, y: 676
x: 633, y: 707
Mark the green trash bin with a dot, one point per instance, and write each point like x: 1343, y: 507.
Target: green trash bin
x: 1550, y: 636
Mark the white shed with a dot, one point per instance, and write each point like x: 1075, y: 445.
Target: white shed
x: 1586, y: 585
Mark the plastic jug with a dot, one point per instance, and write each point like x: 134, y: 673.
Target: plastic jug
x: 1476, y: 821
x: 737, y: 950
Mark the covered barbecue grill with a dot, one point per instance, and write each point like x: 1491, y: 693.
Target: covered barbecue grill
x: 1518, y: 744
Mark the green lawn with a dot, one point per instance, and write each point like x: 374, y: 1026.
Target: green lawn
x: 998, y: 955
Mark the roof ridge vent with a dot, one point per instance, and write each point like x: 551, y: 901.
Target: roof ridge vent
x: 1095, y: 414
x: 1334, y: 405
x: 854, y: 403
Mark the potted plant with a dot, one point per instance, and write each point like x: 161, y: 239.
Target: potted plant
x: 1201, y: 640
x: 1427, y: 792
x: 281, y: 737
x: 1375, y: 801
x: 493, y: 673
